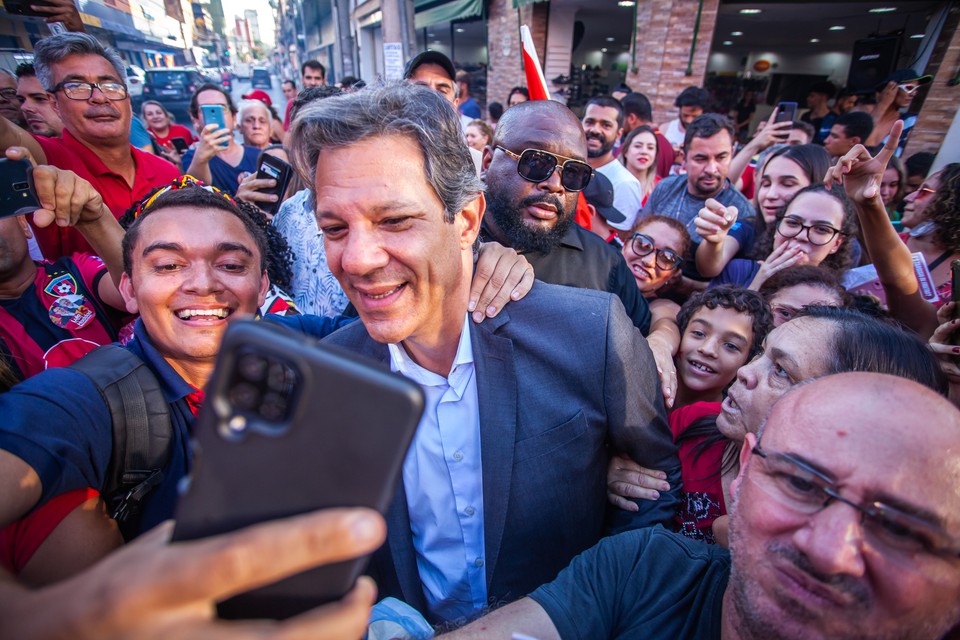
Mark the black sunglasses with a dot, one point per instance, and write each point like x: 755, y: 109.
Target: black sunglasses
x: 536, y: 165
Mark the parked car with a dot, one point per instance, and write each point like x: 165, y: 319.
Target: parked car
x: 173, y: 87
x: 135, y: 79
x: 260, y: 78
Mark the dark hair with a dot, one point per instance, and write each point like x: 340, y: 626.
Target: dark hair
x: 521, y: 90
x: 944, y: 209
x: 826, y: 88
x: 290, y: 82
x: 856, y: 124
x: 807, y: 274
x: 346, y: 82
x: 707, y: 126
x: 495, y: 110
x: 919, y: 163
x: 693, y: 97
x: 278, y: 256
x: 862, y: 343
x: 190, y: 196
x: 813, y: 159
x: 610, y: 103
x: 839, y: 261
x: 638, y: 105
x: 315, y: 65
x: 309, y: 94
x: 209, y: 86
x: 25, y: 70
x: 623, y: 87
x: 731, y: 297
x: 806, y: 127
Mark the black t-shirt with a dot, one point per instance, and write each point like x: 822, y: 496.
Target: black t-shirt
x: 646, y: 583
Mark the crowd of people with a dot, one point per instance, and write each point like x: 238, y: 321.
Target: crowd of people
x: 659, y: 399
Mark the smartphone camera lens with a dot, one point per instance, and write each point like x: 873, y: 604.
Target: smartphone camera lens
x: 244, y: 396
x: 252, y: 367
x: 274, y: 407
x: 280, y: 378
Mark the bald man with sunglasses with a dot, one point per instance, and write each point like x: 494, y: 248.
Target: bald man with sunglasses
x: 534, y: 170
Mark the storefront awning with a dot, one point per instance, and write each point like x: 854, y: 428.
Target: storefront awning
x: 455, y: 10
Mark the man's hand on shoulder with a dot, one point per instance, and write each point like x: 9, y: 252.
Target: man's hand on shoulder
x: 501, y: 275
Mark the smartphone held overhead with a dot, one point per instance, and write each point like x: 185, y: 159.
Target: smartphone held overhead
x: 17, y: 195
x: 290, y: 426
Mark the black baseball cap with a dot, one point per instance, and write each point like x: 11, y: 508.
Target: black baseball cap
x: 430, y: 57
x: 599, y: 193
x: 905, y: 75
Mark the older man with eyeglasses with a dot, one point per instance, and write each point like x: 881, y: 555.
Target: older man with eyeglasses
x: 88, y: 87
x: 844, y: 526
x: 9, y: 104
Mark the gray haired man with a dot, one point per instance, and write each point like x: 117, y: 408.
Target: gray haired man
x: 505, y: 480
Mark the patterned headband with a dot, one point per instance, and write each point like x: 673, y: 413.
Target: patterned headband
x: 183, y: 182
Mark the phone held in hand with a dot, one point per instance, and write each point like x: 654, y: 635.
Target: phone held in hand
x: 17, y: 194
x: 179, y: 144
x: 213, y: 114
x: 24, y: 8
x: 290, y: 426
x: 277, y: 169
x: 786, y: 112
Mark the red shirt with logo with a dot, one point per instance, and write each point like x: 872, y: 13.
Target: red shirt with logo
x: 59, y: 319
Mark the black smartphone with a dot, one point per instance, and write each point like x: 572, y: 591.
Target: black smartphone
x: 786, y: 112
x: 17, y: 195
x: 22, y: 8
x: 179, y: 144
x: 290, y: 426
x: 271, y: 167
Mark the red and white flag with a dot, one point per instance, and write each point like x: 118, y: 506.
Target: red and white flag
x: 536, y: 84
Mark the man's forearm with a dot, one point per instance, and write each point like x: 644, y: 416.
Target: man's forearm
x: 521, y: 617
x: 13, y: 136
x: 200, y: 170
x: 105, y: 236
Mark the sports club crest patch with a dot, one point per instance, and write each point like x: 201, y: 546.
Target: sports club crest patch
x: 62, y: 285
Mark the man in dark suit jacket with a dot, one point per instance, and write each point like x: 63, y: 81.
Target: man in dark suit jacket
x: 557, y: 379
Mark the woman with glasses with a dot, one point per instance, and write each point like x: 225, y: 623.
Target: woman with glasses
x: 655, y: 252
x: 639, y: 155
x: 783, y: 171
x: 813, y: 229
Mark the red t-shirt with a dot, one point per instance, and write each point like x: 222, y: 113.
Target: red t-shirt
x: 68, y: 153
x: 60, y: 319
x: 21, y: 539
x: 286, y: 116
x: 175, y: 131
x: 702, y: 489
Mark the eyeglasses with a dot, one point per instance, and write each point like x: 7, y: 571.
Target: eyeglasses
x: 909, y: 87
x: 10, y: 95
x: 76, y: 90
x: 924, y: 192
x: 805, y: 490
x: 667, y: 259
x: 536, y: 165
x: 818, y: 234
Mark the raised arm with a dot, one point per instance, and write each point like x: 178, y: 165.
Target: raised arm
x: 772, y: 133
x: 718, y: 247
x: 860, y: 174
x: 13, y: 136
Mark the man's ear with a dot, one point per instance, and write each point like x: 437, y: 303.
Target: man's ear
x: 128, y: 294
x: 469, y: 220
x: 749, y: 442
x: 593, y: 211
x: 486, y: 160
x: 25, y: 226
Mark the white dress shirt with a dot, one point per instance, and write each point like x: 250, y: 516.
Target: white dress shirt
x: 443, y: 480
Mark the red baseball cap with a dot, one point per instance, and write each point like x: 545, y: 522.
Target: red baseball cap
x: 257, y: 94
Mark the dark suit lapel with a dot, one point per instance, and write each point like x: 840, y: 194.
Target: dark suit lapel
x: 497, y: 398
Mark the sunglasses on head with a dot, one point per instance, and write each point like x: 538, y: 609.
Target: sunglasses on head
x: 536, y: 165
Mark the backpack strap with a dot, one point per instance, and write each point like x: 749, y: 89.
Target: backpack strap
x: 142, y: 431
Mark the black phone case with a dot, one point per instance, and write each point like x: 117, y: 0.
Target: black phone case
x: 181, y: 147
x: 279, y: 171
x: 17, y: 195
x: 342, y: 445
x: 22, y: 8
x: 787, y: 112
